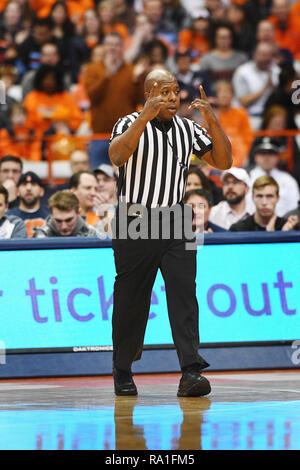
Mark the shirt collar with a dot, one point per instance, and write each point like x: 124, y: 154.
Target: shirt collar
x: 163, y: 126
x: 230, y: 211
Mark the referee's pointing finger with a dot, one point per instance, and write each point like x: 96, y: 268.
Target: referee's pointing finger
x: 202, y: 93
x: 153, y: 90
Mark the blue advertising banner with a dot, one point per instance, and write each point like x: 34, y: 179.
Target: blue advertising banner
x: 63, y: 298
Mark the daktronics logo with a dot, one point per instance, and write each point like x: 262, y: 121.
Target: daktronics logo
x: 281, y: 286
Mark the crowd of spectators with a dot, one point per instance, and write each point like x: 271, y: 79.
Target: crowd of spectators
x: 69, y: 69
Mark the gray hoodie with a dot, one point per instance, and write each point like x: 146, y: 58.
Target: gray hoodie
x: 12, y: 226
x: 82, y: 229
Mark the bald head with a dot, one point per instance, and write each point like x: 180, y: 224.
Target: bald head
x: 158, y: 76
x: 263, y: 55
x: 166, y: 91
x: 281, y: 9
x: 265, y: 31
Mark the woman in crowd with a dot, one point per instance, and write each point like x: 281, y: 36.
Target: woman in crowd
x: 201, y: 201
x: 63, y: 28
x: 223, y: 58
x: 244, y: 33
x: 196, y: 179
x: 108, y: 22
x: 89, y: 35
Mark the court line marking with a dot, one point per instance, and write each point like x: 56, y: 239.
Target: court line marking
x: 256, y: 377
x: 5, y: 387
x: 256, y: 389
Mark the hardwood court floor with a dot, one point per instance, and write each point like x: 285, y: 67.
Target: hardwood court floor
x: 245, y: 411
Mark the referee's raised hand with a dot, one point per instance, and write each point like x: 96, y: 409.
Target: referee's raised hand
x: 203, y: 105
x: 220, y: 155
x: 154, y: 103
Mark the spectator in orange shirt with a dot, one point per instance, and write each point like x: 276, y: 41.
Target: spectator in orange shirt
x: 48, y: 102
x: 3, y: 4
x: 265, y: 33
x: 196, y: 37
x: 20, y: 140
x: 295, y: 9
x: 41, y: 7
x: 75, y: 8
x: 235, y: 123
x: 287, y: 27
x: 108, y: 22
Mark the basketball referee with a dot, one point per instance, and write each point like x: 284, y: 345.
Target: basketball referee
x: 152, y: 150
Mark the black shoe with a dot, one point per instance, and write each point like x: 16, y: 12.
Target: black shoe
x: 123, y: 382
x: 192, y: 383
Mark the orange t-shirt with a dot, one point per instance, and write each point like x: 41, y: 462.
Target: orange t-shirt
x: 3, y: 4
x: 24, y: 144
x: 290, y: 37
x: 198, y: 43
x: 76, y: 8
x: 30, y: 224
x: 41, y: 7
x: 118, y: 28
x: 295, y: 9
x: 92, y: 218
x: 60, y: 106
x: 236, y: 125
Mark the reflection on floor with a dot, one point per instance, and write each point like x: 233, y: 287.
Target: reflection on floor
x: 245, y: 411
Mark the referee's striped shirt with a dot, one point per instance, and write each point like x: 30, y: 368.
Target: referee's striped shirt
x: 155, y: 174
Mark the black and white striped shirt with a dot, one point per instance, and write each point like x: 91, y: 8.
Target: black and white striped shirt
x: 155, y: 174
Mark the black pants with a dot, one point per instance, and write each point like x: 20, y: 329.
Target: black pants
x: 137, y: 263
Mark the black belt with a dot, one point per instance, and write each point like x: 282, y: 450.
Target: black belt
x: 138, y: 210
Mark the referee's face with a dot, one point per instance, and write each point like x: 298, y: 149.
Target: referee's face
x: 169, y: 91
